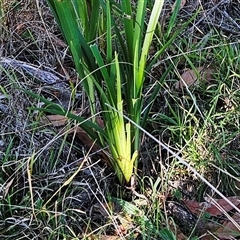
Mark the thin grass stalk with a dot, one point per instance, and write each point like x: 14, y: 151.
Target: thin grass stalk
x: 2, y: 18
x: 109, y: 33
x: 147, y: 41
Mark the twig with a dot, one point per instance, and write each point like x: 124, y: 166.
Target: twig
x: 209, y: 12
x: 230, y: 18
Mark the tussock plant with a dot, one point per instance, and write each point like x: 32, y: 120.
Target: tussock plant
x: 109, y: 42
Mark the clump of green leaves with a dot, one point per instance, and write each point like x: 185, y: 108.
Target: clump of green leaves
x: 109, y: 43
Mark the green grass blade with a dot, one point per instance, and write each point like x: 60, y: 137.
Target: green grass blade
x: 169, y: 42
x: 173, y: 18
x: 53, y: 108
x: 109, y: 33
x: 154, y: 95
x: 157, y: 8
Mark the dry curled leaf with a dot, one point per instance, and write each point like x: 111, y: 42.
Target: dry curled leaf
x: 211, y: 206
x: 229, y: 228
x: 7, y: 187
x: 194, y: 77
x: 217, y: 207
x: 55, y: 120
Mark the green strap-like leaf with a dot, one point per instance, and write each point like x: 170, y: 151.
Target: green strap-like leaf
x: 88, y: 126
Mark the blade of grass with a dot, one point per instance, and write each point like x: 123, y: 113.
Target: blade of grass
x: 173, y: 18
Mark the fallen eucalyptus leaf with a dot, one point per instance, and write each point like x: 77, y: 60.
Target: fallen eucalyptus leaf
x: 194, y: 77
